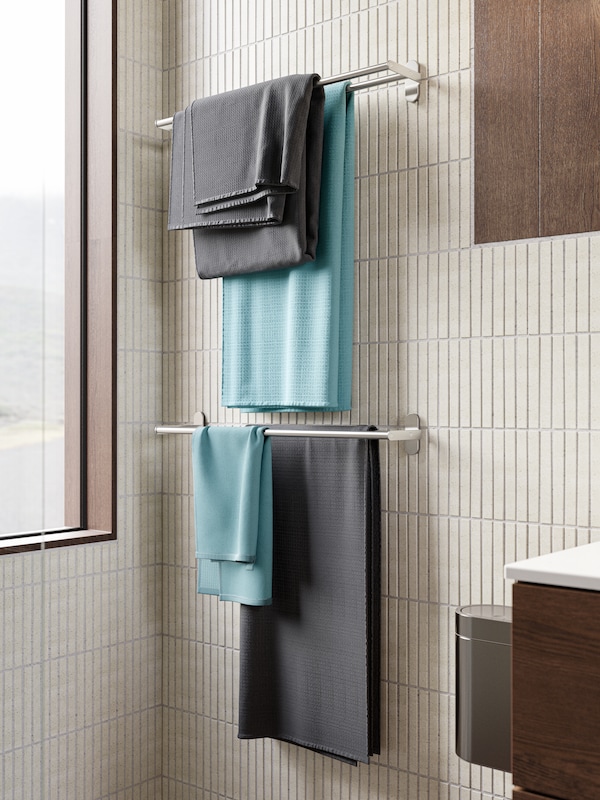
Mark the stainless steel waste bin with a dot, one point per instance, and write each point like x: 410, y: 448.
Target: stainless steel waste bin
x: 483, y: 685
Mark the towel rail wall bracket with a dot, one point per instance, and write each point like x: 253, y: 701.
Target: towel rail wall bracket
x: 410, y: 434
x: 410, y: 74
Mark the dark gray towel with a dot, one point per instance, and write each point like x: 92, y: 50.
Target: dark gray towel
x: 246, y: 176
x: 183, y: 212
x: 242, y: 250
x: 309, y: 664
x: 248, y: 143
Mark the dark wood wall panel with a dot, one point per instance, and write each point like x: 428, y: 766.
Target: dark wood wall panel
x: 556, y: 691
x: 73, y: 267
x: 537, y: 118
x: 570, y: 116
x: 101, y: 260
x: 521, y: 794
x: 506, y: 119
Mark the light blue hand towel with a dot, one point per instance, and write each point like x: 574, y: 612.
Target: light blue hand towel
x: 287, y: 334
x: 233, y: 508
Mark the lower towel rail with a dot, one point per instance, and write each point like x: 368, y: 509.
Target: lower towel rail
x: 410, y: 434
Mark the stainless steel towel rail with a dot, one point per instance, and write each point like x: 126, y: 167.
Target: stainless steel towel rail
x: 410, y: 434
x: 409, y: 73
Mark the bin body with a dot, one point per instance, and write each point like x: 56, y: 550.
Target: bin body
x: 483, y: 685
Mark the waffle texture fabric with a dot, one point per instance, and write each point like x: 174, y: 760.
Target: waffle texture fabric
x: 233, y: 510
x: 287, y: 334
x: 310, y: 662
x: 246, y: 175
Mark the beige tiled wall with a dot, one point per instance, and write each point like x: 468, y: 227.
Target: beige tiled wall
x: 493, y: 346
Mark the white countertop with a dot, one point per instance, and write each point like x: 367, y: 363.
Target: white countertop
x: 576, y: 568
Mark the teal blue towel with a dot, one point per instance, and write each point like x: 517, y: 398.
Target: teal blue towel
x: 287, y: 334
x: 233, y: 508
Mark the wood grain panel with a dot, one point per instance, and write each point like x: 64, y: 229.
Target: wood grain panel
x: 74, y: 488
x: 570, y: 116
x: 522, y: 794
x: 101, y: 260
x: 556, y: 691
x: 506, y: 120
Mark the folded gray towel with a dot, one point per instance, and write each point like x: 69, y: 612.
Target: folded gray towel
x: 183, y: 212
x: 246, y: 176
x: 309, y: 664
x: 248, y: 143
x: 242, y: 250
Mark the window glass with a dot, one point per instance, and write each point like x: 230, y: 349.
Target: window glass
x: 32, y: 275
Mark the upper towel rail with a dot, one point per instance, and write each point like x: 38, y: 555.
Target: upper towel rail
x: 410, y: 434
x: 409, y: 73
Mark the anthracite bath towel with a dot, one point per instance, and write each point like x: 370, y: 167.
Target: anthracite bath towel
x: 246, y: 174
x: 247, y: 144
x: 309, y: 663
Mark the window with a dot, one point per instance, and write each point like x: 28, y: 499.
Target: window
x: 57, y: 255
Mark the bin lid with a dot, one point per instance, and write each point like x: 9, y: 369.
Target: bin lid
x: 489, y: 623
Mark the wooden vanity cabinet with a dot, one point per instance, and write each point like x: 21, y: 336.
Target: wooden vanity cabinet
x: 555, y: 693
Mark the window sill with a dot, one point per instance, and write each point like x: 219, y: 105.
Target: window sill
x: 42, y: 541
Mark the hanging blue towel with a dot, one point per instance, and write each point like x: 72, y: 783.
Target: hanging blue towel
x: 233, y: 508
x: 287, y: 334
